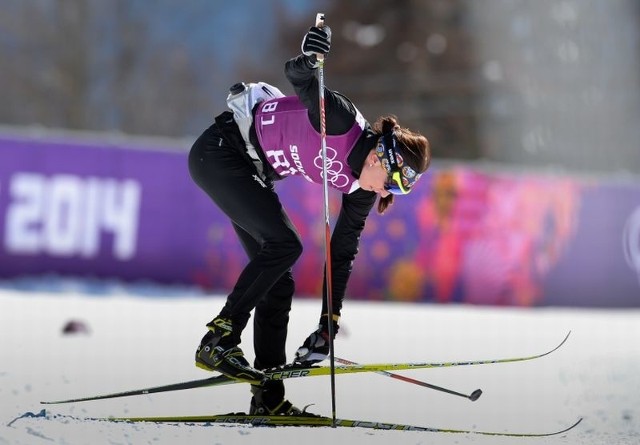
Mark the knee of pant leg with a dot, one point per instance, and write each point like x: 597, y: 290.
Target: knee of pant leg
x: 283, y: 247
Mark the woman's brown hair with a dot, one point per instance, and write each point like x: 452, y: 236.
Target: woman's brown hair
x: 414, y: 148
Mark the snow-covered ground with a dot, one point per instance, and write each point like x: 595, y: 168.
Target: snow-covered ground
x: 138, y: 341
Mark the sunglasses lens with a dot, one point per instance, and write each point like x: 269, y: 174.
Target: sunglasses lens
x: 394, y: 185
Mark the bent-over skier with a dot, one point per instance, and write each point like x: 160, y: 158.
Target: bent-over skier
x: 268, y: 137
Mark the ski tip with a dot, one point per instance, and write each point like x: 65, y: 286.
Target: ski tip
x: 564, y: 340
x: 567, y: 429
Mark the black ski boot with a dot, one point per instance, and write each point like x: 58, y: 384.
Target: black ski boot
x: 268, y: 399
x: 219, y: 351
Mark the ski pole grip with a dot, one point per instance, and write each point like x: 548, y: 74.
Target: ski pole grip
x: 320, y: 24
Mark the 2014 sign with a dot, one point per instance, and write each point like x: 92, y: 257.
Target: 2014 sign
x: 66, y: 215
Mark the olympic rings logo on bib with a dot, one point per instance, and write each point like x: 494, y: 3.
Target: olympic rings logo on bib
x: 334, y: 168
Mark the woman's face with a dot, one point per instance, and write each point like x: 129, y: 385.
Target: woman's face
x: 373, y: 176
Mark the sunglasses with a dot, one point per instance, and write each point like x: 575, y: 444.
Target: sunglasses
x: 394, y: 185
x: 400, y: 177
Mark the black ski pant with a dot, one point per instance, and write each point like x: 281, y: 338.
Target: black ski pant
x: 267, y: 235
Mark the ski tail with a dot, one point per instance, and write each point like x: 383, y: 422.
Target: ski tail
x: 200, y: 383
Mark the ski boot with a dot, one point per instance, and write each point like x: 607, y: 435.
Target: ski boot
x: 218, y: 351
x: 268, y: 400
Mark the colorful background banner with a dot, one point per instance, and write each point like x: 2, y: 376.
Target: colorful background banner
x: 465, y: 235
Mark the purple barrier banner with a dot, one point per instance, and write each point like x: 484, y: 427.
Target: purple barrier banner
x: 131, y: 212
x: 102, y: 211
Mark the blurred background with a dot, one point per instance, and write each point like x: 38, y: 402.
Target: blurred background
x: 532, y: 108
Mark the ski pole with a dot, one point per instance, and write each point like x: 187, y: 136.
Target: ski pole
x: 475, y: 395
x: 327, y: 228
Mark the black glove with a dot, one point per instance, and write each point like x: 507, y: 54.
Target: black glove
x: 316, y: 41
x: 316, y: 347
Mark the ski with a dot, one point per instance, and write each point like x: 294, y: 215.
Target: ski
x: 321, y: 421
x: 295, y: 371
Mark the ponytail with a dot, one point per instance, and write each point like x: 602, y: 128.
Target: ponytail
x: 384, y: 203
x: 386, y: 124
